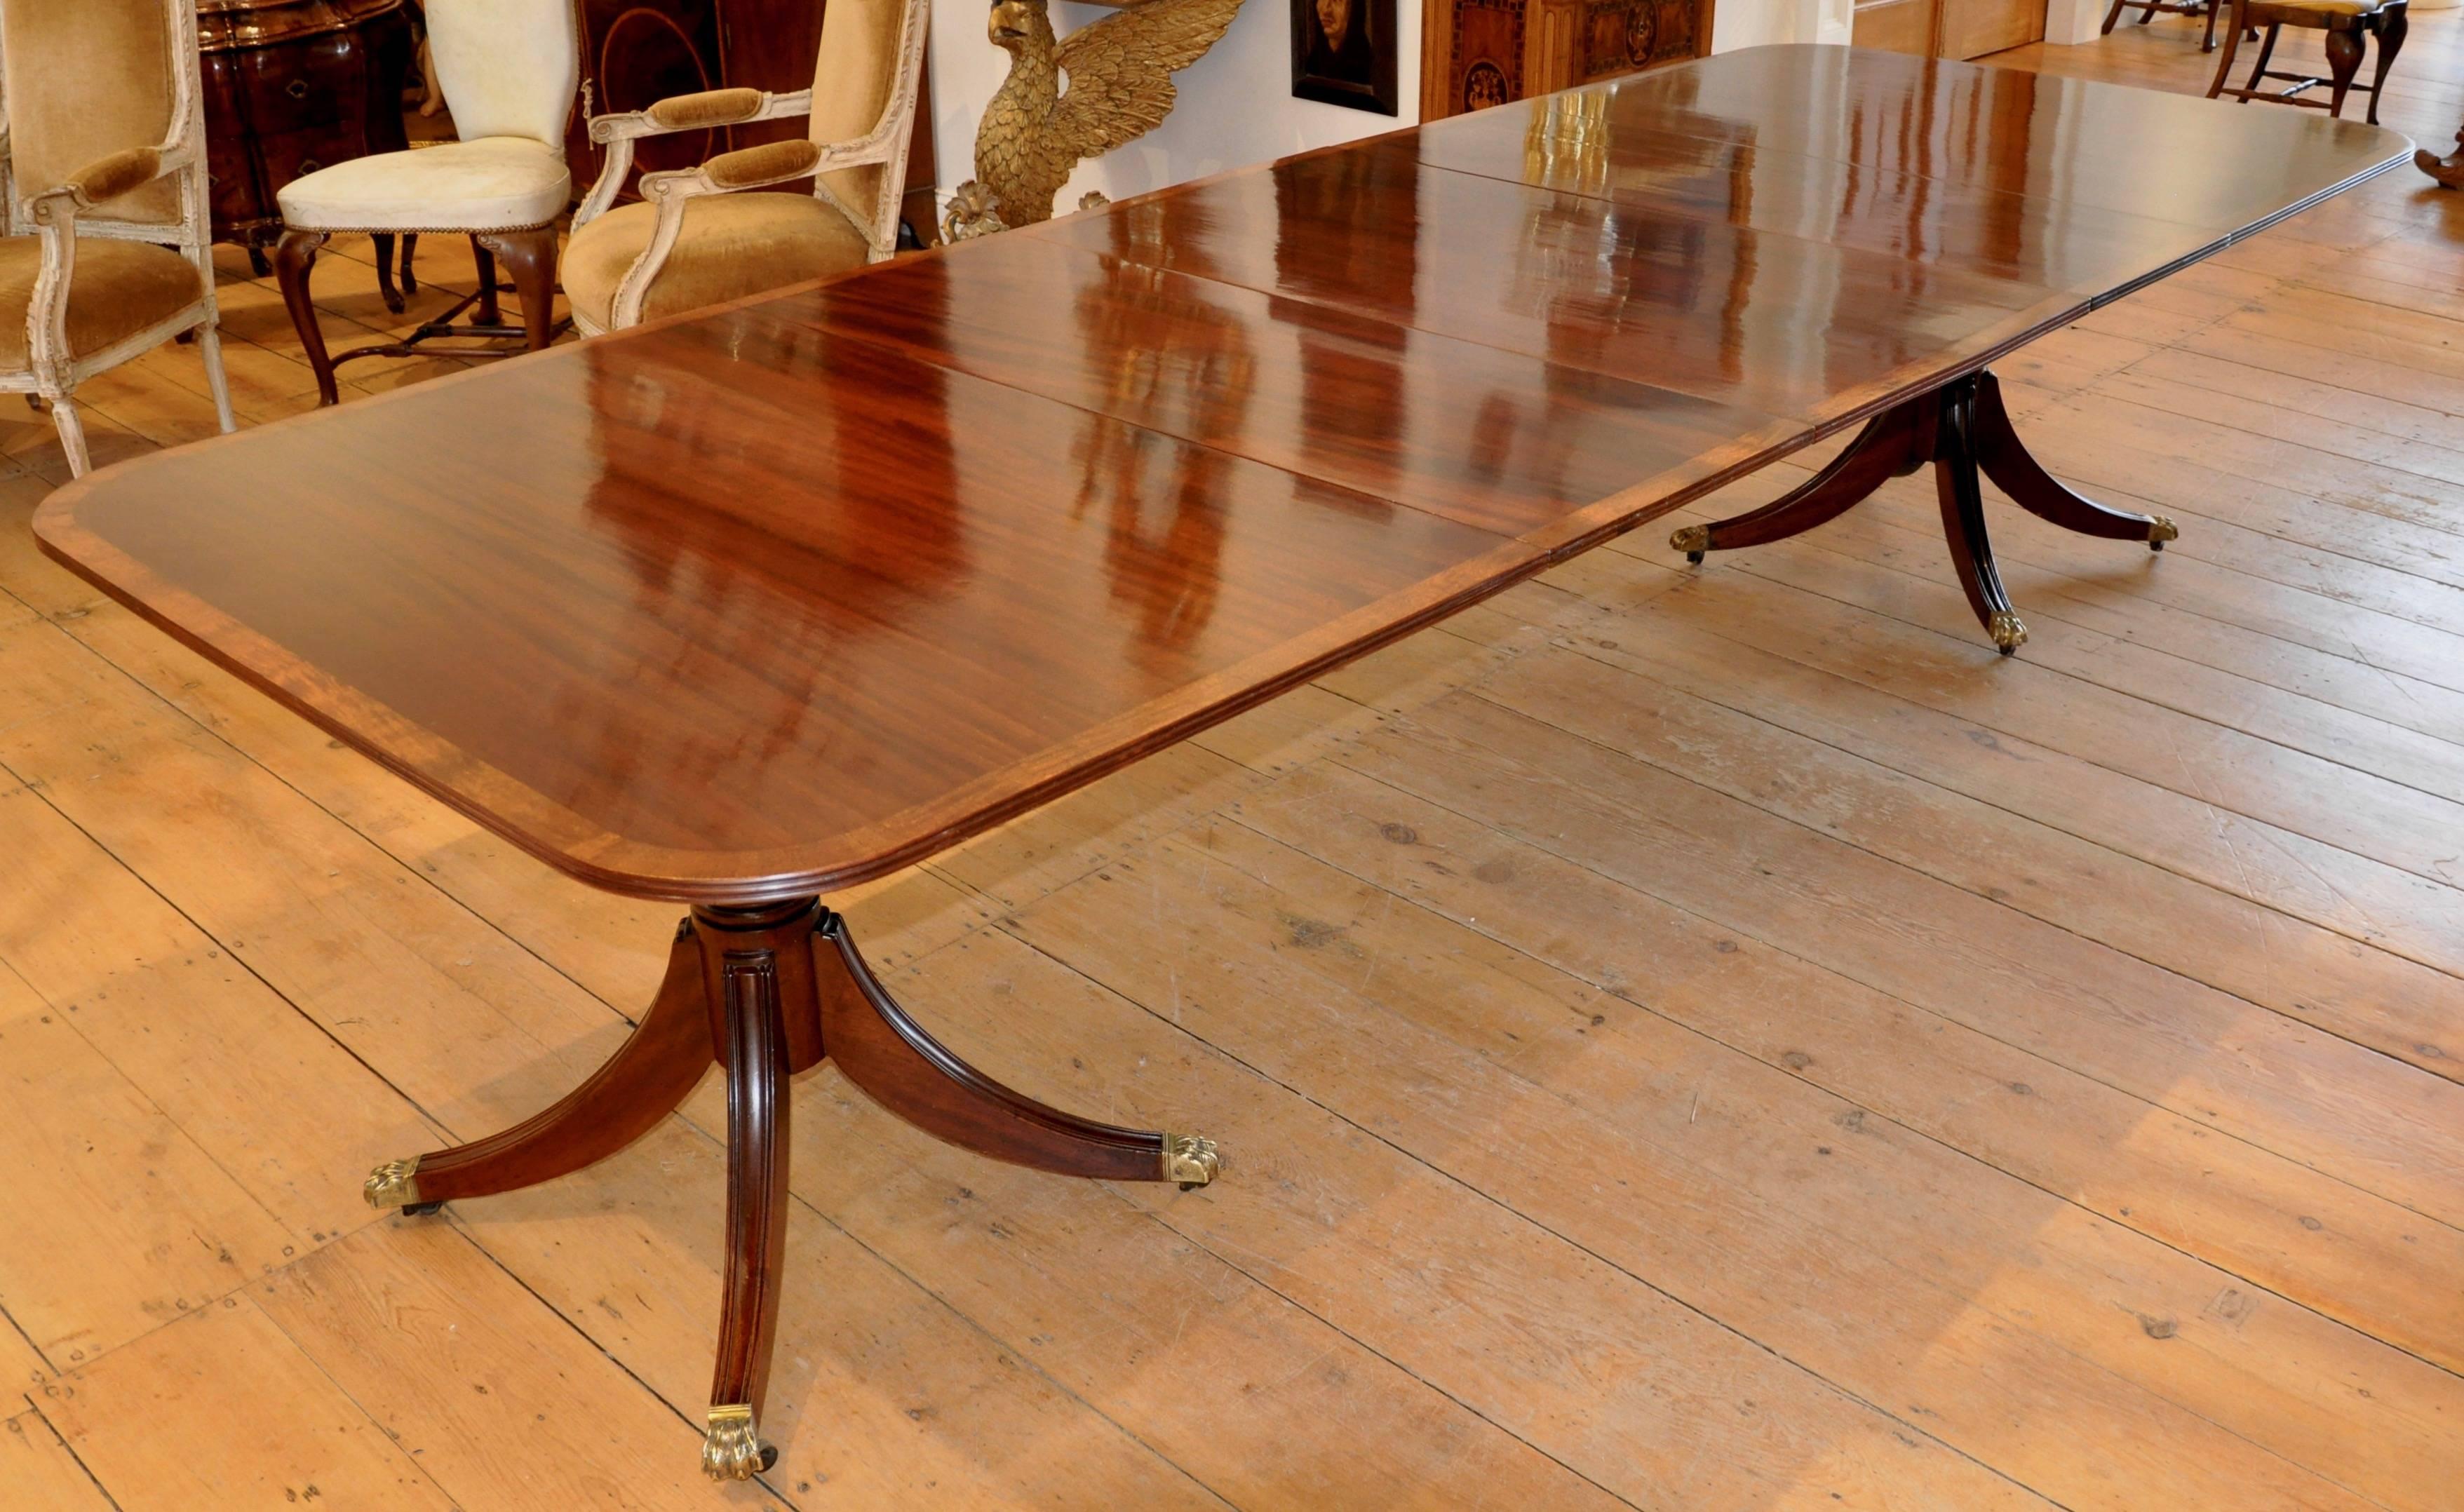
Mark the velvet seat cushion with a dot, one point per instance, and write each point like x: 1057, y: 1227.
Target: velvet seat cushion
x: 731, y: 246
x: 494, y: 184
x: 117, y: 289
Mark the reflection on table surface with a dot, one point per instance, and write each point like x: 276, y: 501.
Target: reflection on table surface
x: 816, y: 583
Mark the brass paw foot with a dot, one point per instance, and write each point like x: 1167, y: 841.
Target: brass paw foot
x: 1188, y: 1159
x: 733, y: 1450
x: 1691, y: 540
x: 395, y: 1184
x: 2160, y: 530
x: 2006, y: 631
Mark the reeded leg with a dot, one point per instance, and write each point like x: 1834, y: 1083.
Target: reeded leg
x: 294, y: 258
x: 767, y: 991
x: 2007, y: 462
x: 753, y: 1001
x: 1894, y: 443
x: 210, y: 346
x: 888, y: 1054
x: 1963, y: 520
x: 382, y: 242
x: 648, y: 1076
x: 530, y: 256
x: 72, y: 429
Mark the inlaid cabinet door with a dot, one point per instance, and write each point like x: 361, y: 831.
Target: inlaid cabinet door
x: 635, y: 53
x: 1475, y: 53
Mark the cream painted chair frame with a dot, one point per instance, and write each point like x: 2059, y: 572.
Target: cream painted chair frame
x: 754, y: 168
x: 59, y: 214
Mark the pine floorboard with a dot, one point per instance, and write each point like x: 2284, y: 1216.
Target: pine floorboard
x: 1712, y: 1038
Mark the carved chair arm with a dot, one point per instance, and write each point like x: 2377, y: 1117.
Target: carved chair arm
x: 746, y: 168
x: 106, y: 178
x: 752, y: 167
x: 697, y: 112
x: 54, y: 214
x: 711, y: 107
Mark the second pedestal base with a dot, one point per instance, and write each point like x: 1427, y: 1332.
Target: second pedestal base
x: 1961, y: 429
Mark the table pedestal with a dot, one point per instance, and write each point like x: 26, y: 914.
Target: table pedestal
x: 1959, y: 427
x: 767, y: 992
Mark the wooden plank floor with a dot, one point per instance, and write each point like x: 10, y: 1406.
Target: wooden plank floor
x: 1680, y: 1039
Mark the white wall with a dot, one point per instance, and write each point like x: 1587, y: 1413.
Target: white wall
x: 1752, y: 23
x: 2068, y: 22
x: 1235, y: 102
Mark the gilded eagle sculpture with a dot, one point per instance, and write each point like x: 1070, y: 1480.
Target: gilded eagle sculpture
x: 1034, y: 132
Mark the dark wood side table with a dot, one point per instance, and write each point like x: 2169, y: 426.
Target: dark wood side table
x: 743, y: 608
x: 292, y: 86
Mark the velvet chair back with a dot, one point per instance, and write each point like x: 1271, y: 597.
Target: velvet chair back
x: 83, y: 79
x: 861, y: 70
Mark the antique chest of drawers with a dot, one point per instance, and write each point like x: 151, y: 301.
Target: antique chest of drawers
x: 292, y: 86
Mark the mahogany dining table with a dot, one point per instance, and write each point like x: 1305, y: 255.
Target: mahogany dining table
x: 747, y: 605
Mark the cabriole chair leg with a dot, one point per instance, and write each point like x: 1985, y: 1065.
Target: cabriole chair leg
x: 294, y: 258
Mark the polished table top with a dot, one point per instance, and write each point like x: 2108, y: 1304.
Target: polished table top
x: 774, y: 598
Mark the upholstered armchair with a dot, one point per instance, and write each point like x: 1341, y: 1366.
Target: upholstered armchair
x: 105, y: 138
x: 701, y: 235
x: 509, y: 69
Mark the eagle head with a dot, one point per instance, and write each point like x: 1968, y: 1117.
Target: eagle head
x: 1016, y: 24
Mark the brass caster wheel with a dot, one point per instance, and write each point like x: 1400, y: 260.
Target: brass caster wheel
x: 421, y: 1210
x: 1188, y: 1159
x: 2008, y: 634
x: 1693, y: 541
x: 395, y: 1184
x: 733, y: 1450
x: 2160, y: 530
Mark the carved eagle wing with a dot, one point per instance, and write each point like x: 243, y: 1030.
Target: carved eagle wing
x: 1120, y: 70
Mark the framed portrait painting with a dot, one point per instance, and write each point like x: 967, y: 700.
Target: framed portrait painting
x: 1343, y: 52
